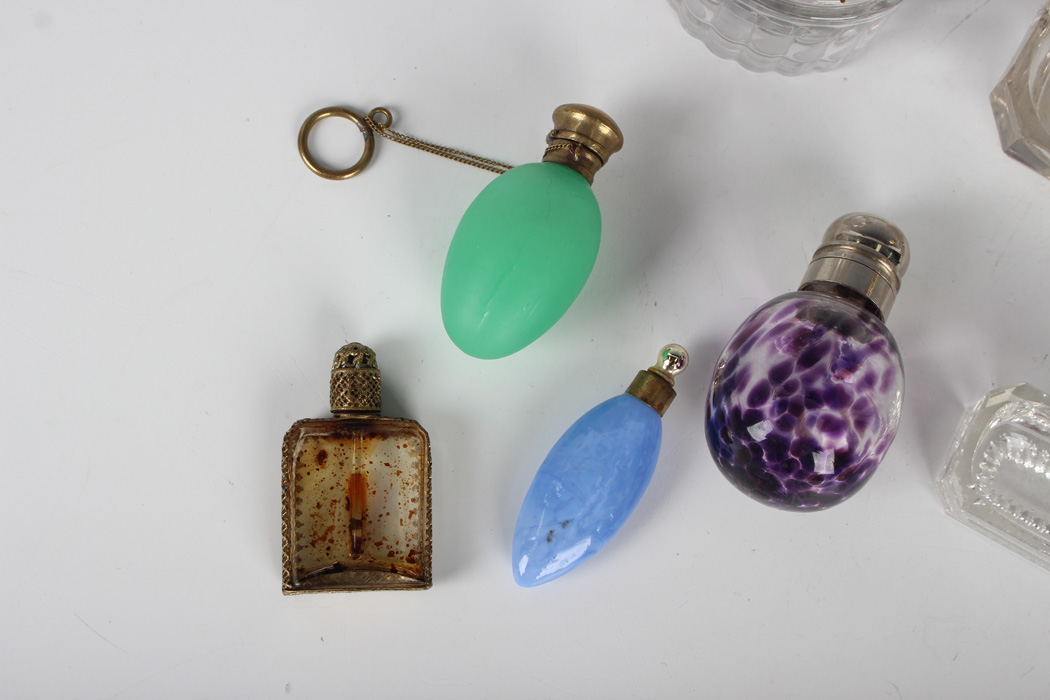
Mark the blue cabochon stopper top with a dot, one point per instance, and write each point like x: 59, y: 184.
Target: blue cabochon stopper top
x: 594, y: 476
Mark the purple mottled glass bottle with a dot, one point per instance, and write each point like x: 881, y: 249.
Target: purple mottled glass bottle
x: 806, y: 397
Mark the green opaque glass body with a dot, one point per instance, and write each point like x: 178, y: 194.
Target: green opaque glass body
x: 520, y: 257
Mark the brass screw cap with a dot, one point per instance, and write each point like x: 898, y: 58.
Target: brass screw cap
x: 356, y: 382
x: 655, y: 386
x: 862, y: 259
x: 583, y: 138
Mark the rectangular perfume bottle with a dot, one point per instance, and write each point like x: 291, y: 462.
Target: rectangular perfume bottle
x: 356, y: 491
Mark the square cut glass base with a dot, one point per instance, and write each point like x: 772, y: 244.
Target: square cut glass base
x: 997, y: 478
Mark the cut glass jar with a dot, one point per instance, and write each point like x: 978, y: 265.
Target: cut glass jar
x: 790, y: 37
x: 997, y: 478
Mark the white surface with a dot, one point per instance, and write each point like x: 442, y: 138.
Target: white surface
x: 174, y: 282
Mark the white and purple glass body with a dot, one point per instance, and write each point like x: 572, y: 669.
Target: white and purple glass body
x: 806, y: 397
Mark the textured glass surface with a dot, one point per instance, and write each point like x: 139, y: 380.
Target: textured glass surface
x: 357, y: 508
x: 586, y: 488
x: 997, y: 478
x: 805, y: 401
x: 520, y: 257
x: 1021, y: 102
x: 787, y: 36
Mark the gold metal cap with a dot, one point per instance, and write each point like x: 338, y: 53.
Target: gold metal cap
x: 861, y: 259
x: 655, y: 386
x: 583, y: 138
x: 356, y: 382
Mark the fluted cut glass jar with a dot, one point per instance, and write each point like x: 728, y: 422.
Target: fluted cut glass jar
x: 790, y: 37
x: 1021, y: 102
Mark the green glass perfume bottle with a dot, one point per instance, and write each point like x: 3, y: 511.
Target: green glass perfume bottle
x: 527, y: 244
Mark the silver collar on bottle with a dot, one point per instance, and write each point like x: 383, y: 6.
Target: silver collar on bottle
x: 862, y: 259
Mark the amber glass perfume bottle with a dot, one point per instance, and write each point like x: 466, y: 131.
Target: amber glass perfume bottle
x: 356, y: 491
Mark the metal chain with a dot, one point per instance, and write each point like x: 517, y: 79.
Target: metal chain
x: 386, y: 132
x: 561, y: 147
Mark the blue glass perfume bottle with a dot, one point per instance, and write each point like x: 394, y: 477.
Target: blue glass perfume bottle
x: 594, y: 476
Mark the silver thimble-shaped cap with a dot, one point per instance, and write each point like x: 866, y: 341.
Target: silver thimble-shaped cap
x: 356, y: 382
x: 862, y: 258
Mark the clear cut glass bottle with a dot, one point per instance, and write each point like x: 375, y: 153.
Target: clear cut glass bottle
x: 1021, y: 101
x: 790, y: 37
x: 356, y: 491
x: 997, y: 477
x: 806, y: 397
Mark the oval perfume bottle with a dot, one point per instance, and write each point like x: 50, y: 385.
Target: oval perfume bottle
x: 806, y: 397
x: 594, y: 476
x: 528, y: 242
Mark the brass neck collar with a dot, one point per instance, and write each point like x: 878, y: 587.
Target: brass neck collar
x: 655, y: 386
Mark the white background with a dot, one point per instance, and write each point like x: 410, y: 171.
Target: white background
x: 174, y: 282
